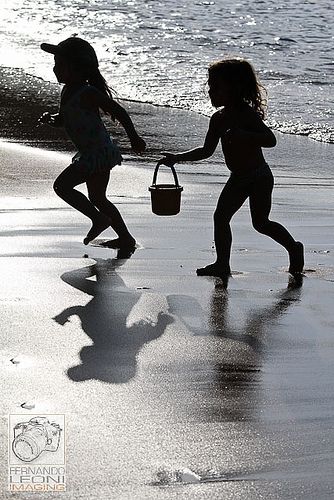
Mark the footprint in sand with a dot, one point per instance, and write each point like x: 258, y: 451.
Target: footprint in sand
x: 28, y: 405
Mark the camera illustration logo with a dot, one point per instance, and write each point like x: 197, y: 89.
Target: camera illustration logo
x: 36, y: 449
x: 34, y: 437
x: 36, y: 440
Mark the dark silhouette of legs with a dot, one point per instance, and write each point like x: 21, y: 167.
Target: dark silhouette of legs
x: 236, y: 191
x: 97, y: 186
x: 260, y: 206
x: 98, y: 208
x: 64, y: 187
x: 229, y: 202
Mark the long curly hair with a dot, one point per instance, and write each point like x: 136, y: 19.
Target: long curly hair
x: 241, y: 76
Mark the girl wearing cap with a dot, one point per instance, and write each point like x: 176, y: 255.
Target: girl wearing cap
x: 85, y: 92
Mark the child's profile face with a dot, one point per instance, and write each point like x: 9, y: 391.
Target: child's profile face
x: 61, y: 69
x: 220, y: 92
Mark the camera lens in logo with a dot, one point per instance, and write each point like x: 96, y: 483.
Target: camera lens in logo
x: 35, y: 436
x: 30, y: 445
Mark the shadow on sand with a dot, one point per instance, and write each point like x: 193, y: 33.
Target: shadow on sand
x: 112, y: 357
x: 118, y: 334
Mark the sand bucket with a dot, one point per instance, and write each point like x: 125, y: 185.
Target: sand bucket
x: 165, y: 198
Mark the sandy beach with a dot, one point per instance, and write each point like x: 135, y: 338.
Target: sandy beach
x: 164, y: 377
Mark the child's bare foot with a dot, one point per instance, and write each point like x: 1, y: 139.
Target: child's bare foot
x: 296, y: 259
x: 97, y: 228
x: 125, y: 253
x: 214, y: 270
x: 121, y: 243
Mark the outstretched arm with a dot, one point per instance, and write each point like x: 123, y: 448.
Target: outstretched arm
x: 116, y: 110
x: 200, y: 153
x: 64, y: 316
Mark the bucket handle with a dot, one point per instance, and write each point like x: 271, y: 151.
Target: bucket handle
x: 173, y: 172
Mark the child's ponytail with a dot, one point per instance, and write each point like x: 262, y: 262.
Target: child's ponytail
x: 95, y: 79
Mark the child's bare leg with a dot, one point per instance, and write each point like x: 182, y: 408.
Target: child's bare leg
x: 97, y: 186
x: 115, y: 221
x: 260, y: 206
x: 229, y: 202
x: 64, y: 188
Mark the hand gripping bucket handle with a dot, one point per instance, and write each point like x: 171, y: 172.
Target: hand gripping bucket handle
x: 165, y: 198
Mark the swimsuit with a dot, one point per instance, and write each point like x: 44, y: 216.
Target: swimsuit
x: 252, y: 176
x: 96, y: 150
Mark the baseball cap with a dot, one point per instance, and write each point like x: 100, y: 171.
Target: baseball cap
x: 74, y: 49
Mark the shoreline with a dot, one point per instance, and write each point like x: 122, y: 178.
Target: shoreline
x: 295, y: 161
x: 24, y: 98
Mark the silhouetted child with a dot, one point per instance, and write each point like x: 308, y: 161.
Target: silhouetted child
x: 240, y: 128
x: 85, y: 92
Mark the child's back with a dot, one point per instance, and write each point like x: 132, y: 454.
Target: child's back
x: 86, y: 130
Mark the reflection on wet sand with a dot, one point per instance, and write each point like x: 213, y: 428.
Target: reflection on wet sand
x: 258, y: 320
x: 238, y: 378
x: 224, y: 382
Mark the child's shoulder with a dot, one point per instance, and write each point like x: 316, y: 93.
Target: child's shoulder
x: 248, y: 112
x: 219, y: 115
x: 221, y: 118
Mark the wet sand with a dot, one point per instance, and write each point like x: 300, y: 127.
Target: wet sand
x: 155, y: 369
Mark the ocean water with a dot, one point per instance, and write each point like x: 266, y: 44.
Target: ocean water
x: 158, y: 51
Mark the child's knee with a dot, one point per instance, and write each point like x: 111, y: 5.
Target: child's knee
x: 57, y: 187
x: 216, y: 215
x: 261, y: 225
x: 98, y: 201
x: 60, y: 188
x: 220, y: 217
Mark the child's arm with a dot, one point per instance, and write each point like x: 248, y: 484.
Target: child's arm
x: 137, y: 143
x: 256, y: 133
x: 64, y: 316
x: 212, y: 138
x: 119, y: 113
